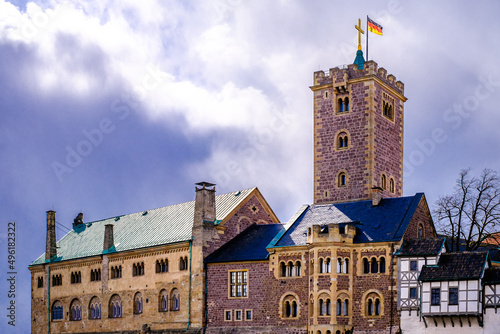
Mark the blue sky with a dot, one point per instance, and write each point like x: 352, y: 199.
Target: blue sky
x: 115, y: 107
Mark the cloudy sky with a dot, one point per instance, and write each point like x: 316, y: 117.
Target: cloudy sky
x: 115, y: 107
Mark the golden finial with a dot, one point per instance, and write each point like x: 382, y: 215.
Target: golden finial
x: 360, y: 31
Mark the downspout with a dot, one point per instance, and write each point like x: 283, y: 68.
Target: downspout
x: 205, y: 297
x: 392, y: 290
x: 48, y: 302
x: 189, y: 301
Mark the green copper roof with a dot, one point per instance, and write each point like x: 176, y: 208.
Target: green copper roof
x: 155, y: 227
x: 360, y: 60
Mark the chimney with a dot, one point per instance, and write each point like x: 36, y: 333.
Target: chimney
x: 78, y: 220
x: 108, y: 237
x: 376, y: 196
x: 51, y: 250
x: 204, y: 207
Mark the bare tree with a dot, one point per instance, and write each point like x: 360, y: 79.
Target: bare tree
x: 472, y: 213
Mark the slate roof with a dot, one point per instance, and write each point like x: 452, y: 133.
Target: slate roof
x: 249, y: 245
x: 170, y: 224
x: 422, y: 247
x: 385, y: 222
x: 455, y: 267
x: 491, y: 275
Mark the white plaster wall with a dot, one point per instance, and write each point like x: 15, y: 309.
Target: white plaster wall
x: 413, y: 325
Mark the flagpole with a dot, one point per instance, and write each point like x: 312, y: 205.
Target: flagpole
x: 367, y: 33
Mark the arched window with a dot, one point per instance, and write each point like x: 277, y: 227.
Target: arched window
x: 76, y: 310
x: 115, y: 307
x: 95, y: 308
x: 346, y: 266
x: 342, y: 140
x: 342, y: 179
x: 328, y: 307
x: 138, y: 305
x: 322, y: 310
x: 383, y: 182
x: 420, y: 231
x: 374, y: 265
x: 57, y: 310
x: 321, y: 266
x: 345, y: 307
x: 290, y: 269
x: 328, y: 265
x: 283, y: 269
x: 339, y: 307
x: 298, y: 269
x: 346, y: 104
x: 134, y: 270
x: 176, y: 300
x: 373, y: 304
x: 340, y: 105
x: 382, y: 265
x: 339, y: 265
x: 163, y: 301
x: 366, y: 266
x: 289, y: 305
x: 391, y: 185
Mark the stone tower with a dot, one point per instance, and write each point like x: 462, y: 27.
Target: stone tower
x: 358, y: 133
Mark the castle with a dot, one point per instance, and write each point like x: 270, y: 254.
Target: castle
x: 360, y: 259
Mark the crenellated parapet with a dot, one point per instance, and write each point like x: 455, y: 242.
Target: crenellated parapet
x: 340, y: 76
x: 331, y: 233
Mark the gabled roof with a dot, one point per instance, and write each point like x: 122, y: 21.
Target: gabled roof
x: 249, y: 245
x: 385, y: 222
x: 455, y: 267
x: 167, y: 225
x: 422, y: 247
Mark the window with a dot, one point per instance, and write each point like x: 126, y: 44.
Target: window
x: 138, y: 269
x: 374, y: 266
x: 183, y: 263
x: 115, y: 307
x: 328, y: 265
x: 95, y: 308
x: 339, y: 265
x: 76, y: 277
x: 163, y: 301
x: 291, y: 270
x: 57, y: 310
x: 289, y: 307
x: 373, y: 304
x: 227, y: 316
x: 76, y: 310
x: 342, y: 105
x: 346, y: 266
x: 342, y: 179
x: 56, y: 280
x: 322, y: 310
x: 321, y: 266
x: 453, y: 296
x: 413, y: 293
x: 138, y: 305
x: 435, y: 296
x: 345, y: 307
x: 339, y: 307
x: 283, y: 269
x: 366, y: 266
x: 298, y: 269
x: 413, y: 265
x: 342, y: 140
x: 40, y: 282
x: 391, y: 185
x: 328, y: 306
x: 388, y: 110
x: 95, y: 275
x: 420, y: 231
x: 346, y: 104
x: 176, y: 300
x: 383, y: 182
x: 116, y: 272
x: 248, y: 315
x: 162, y: 266
x: 238, y: 284
x: 382, y: 265
x: 237, y: 315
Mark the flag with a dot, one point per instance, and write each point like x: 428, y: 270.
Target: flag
x: 374, y: 27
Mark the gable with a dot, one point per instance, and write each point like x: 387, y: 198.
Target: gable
x: 420, y: 218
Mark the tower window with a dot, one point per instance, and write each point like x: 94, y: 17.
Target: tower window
x: 342, y: 179
x: 388, y: 107
x: 342, y: 140
x: 383, y: 182
x: 342, y: 104
x: 391, y: 185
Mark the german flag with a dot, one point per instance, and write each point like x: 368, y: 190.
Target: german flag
x: 374, y: 27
